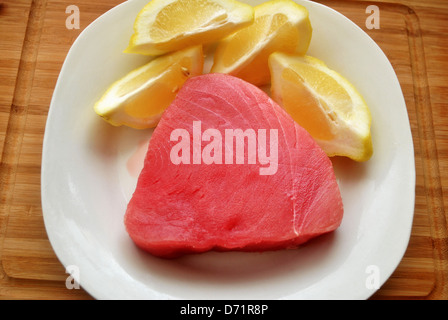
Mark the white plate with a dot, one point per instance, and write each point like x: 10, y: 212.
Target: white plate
x: 89, y: 172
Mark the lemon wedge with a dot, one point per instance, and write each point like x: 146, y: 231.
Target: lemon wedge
x: 279, y: 25
x: 138, y: 99
x: 325, y: 103
x: 163, y: 26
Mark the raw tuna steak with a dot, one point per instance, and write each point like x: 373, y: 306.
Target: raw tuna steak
x: 228, y: 169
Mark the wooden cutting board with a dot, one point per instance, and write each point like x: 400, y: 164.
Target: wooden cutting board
x: 34, y: 44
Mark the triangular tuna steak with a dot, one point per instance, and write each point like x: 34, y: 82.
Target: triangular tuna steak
x: 228, y: 169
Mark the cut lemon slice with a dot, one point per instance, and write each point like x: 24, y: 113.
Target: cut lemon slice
x: 138, y: 99
x: 163, y: 26
x: 279, y: 25
x: 323, y: 102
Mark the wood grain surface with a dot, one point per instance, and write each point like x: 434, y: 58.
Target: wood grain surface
x: 34, y: 43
